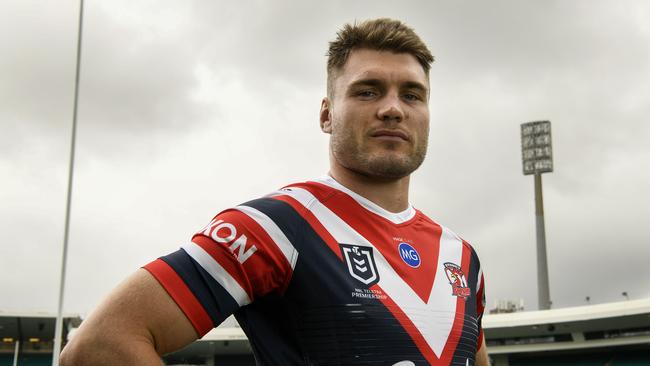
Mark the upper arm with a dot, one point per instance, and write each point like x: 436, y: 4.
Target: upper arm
x: 137, y: 317
x: 238, y: 257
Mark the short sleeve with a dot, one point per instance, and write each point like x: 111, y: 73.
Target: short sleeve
x: 239, y: 256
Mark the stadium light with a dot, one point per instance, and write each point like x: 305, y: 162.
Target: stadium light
x: 536, y: 148
x: 537, y: 158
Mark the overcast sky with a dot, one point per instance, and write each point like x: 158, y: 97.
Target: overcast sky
x: 189, y: 107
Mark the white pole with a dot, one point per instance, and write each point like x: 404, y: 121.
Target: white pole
x: 16, y: 352
x: 58, y: 329
x: 543, y: 290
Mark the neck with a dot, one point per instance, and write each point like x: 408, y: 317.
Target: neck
x: 389, y: 194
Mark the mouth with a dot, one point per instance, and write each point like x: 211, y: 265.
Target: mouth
x: 393, y: 135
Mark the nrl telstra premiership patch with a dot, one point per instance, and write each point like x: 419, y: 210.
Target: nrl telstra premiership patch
x: 361, y: 263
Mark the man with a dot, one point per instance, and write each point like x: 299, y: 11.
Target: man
x: 340, y: 270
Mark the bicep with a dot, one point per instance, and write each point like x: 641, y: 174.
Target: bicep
x: 141, y: 311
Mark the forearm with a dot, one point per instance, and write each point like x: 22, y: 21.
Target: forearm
x: 482, y: 358
x: 135, y: 325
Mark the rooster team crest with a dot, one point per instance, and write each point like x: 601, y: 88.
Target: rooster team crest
x: 361, y: 263
x: 457, y: 280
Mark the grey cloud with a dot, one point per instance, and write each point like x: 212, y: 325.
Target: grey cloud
x: 196, y: 107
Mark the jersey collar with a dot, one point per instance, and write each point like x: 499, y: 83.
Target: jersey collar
x: 394, y: 217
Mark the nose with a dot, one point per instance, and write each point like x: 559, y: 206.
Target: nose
x: 391, y: 109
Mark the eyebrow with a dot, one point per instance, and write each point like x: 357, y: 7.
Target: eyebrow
x: 378, y: 82
x: 366, y: 82
x: 417, y: 86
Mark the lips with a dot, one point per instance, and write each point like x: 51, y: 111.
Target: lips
x: 390, y: 133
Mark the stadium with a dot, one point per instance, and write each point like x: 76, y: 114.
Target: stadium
x: 167, y: 112
x: 611, y: 334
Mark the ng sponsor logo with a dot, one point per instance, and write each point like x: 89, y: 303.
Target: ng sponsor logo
x: 409, y: 255
x: 226, y: 233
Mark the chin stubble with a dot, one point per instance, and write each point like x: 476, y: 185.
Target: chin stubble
x: 386, y: 166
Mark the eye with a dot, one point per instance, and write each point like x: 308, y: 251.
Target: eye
x: 366, y: 94
x: 412, y: 97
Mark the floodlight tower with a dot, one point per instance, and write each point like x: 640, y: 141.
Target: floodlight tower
x: 537, y: 158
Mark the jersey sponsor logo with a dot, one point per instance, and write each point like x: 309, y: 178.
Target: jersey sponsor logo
x: 226, y: 233
x: 457, y: 280
x: 361, y: 263
x: 409, y: 255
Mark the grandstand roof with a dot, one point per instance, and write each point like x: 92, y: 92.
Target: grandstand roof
x: 619, y: 324
x: 571, y: 314
x: 24, y: 325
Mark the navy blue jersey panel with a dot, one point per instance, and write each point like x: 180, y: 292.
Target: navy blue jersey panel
x: 269, y: 326
x: 216, y: 301
x: 466, y: 348
x: 482, y: 299
x: 333, y: 327
x: 339, y: 330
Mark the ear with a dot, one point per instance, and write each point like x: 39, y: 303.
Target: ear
x: 325, y: 115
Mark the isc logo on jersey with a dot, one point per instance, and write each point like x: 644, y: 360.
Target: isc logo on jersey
x: 409, y: 255
x: 226, y: 233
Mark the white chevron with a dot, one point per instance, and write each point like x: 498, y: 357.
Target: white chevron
x: 433, y: 319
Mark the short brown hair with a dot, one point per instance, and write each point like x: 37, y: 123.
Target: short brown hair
x: 381, y: 34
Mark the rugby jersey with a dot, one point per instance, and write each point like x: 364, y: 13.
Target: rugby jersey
x: 315, y: 274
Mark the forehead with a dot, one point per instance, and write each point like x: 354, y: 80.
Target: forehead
x: 384, y: 65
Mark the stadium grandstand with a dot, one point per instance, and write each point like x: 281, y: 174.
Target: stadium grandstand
x: 611, y: 334
x: 28, y: 338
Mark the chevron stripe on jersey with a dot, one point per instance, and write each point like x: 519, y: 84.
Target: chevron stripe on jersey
x: 435, y: 319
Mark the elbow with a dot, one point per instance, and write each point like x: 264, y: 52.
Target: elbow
x: 69, y: 356
x: 95, y: 350
x: 79, y: 352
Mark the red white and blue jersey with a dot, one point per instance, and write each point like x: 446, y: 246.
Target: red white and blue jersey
x: 318, y: 275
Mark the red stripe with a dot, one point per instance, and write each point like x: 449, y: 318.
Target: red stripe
x: 258, y: 275
x: 479, y: 296
x: 182, y: 295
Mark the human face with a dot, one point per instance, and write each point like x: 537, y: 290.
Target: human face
x: 378, y: 115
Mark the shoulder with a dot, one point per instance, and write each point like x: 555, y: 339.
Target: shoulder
x: 300, y: 196
x: 282, y: 208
